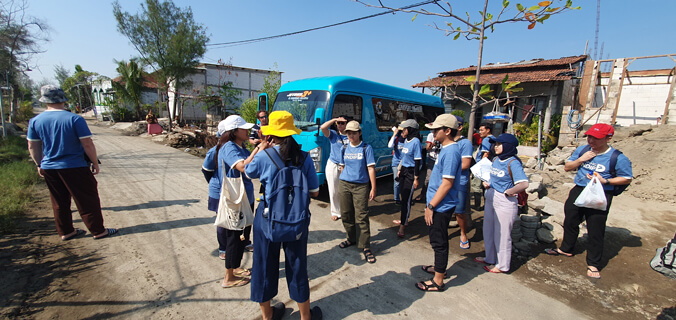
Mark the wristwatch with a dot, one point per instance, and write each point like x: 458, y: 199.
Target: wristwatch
x: 430, y: 206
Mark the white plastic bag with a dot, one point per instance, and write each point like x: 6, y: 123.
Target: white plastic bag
x: 234, y: 210
x: 592, y: 196
x: 482, y: 169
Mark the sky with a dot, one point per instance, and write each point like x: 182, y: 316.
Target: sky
x: 392, y: 49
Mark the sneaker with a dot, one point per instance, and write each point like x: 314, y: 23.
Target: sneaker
x: 221, y: 255
x: 249, y: 247
x: 316, y: 313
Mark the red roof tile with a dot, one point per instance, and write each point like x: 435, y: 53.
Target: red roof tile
x: 538, y: 70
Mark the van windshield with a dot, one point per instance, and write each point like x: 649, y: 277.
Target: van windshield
x: 302, y: 105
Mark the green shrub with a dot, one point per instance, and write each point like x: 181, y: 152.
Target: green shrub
x: 528, y: 134
x: 25, y: 111
x: 16, y: 181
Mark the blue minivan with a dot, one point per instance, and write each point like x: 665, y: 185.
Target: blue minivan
x: 378, y: 107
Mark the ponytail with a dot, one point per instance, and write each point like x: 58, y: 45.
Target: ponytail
x: 290, y: 151
x: 225, y: 137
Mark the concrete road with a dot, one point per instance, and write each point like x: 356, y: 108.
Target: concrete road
x: 164, y: 262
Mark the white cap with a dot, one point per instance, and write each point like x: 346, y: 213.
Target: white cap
x: 233, y: 122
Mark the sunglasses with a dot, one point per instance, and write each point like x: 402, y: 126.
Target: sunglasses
x: 342, y: 123
x: 263, y: 117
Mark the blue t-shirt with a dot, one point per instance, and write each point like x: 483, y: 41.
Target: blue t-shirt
x: 449, y: 166
x: 215, y: 181
x: 396, y: 151
x: 337, y: 141
x: 411, y: 151
x: 500, y: 178
x: 355, y: 162
x: 484, y: 147
x: 231, y: 154
x: 60, y: 132
x: 466, y: 150
x: 262, y: 167
x: 601, y: 164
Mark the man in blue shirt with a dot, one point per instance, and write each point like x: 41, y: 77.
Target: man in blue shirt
x: 60, y: 143
x: 595, y: 161
x: 442, y: 198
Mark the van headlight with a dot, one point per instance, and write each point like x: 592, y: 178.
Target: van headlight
x: 316, y: 155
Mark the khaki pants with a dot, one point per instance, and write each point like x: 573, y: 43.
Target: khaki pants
x: 354, y: 211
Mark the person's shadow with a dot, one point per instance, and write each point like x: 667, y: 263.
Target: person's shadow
x: 389, y: 293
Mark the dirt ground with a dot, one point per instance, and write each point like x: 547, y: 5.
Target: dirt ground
x: 45, y: 278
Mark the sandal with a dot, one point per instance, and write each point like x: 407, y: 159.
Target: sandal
x: 78, y: 232
x: 433, y: 286
x: 239, y: 283
x: 368, y: 255
x: 463, y: 244
x: 345, y: 244
x: 480, y: 260
x: 557, y: 252
x: 111, y: 232
x: 432, y: 272
x: 590, y: 273
x: 396, y: 222
x: 492, y: 270
x: 243, y: 273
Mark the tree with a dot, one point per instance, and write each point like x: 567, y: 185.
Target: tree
x: 167, y: 38
x: 61, y: 74
x: 20, y: 39
x: 78, y: 87
x: 475, y: 30
x: 129, y: 89
x: 249, y: 108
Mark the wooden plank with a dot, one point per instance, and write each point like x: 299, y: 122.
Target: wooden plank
x: 623, y: 73
x: 670, y: 99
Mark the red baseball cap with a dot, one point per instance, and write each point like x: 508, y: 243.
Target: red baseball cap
x: 600, y: 131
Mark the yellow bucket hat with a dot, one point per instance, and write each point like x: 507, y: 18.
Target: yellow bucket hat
x: 280, y: 125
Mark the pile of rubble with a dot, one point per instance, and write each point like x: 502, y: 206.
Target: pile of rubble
x: 186, y: 137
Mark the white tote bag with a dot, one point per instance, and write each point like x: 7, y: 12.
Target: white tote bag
x: 234, y: 210
x: 592, y: 196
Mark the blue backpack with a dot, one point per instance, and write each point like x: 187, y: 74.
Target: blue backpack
x: 287, y: 205
x: 617, y: 190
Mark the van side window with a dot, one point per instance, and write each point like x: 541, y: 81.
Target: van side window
x: 390, y: 113
x: 347, y: 105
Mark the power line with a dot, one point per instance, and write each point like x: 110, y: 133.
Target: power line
x: 243, y: 42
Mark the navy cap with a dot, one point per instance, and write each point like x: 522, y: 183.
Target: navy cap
x: 460, y: 120
x: 506, y: 138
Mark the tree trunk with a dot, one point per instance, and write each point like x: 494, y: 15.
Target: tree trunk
x: 12, y: 104
x: 477, y: 87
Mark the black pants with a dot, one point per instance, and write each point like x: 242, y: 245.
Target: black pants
x: 406, y: 177
x: 596, y: 226
x: 234, y: 245
x: 439, y: 239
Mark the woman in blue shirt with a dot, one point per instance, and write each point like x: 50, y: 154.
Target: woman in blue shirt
x: 232, y: 158
x: 396, y: 143
x: 411, y: 160
x: 358, y: 169
x: 507, y: 180
x: 265, y: 273
x: 337, y: 140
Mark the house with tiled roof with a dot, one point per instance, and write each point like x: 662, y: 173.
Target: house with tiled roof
x: 547, y: 85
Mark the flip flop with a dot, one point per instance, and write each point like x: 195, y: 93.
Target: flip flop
x: 111, y: 232
x: 556, y: 252
x: 480, y: 260
x: 464, y: 243
x: 433, y: 285
x: 396, y: 222
x: 78, y: 232
x: 243, y: 273
x: 491, y: 270
x: 401, y: 234
x: 238, y: 283
x: 432, y: 272
x: 592, y: 271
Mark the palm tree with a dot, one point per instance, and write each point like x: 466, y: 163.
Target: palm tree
x: 129, y: 88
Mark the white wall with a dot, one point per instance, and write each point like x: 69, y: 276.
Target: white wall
x: 648, y: 93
